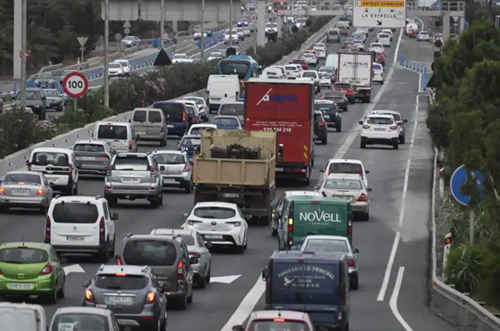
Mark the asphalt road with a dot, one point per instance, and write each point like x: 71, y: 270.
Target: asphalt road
x: 401, y: 182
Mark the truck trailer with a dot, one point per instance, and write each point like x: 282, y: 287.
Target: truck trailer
x: 356, y: 69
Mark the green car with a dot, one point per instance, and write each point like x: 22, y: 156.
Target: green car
x: 28, y: 268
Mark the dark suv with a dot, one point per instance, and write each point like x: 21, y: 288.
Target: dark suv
x: 35, y: 99
x: 131, y: 292
x: 170, y: 260
x: 320, y: 127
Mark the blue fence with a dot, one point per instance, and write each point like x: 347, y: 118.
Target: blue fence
x: 415, y: 66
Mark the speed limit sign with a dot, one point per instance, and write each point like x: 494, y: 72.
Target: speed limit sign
x: 75, y: 85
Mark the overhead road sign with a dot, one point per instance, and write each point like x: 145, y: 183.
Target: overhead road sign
x: 379, y: 14
x: 459, y: 179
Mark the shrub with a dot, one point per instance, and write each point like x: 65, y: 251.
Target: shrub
x: 464, y: 267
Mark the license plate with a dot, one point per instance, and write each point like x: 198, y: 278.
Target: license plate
x: 116, y: 299
x: 213, y: 236
x: 130, y: 179
x: 279, y: 169
x: 140, y: 132
x: 326, y: 116
x: 230, y: 195
x: 342, y: 197
x: 21, y: 286
x: 168, y: 180
x: 86, y: 158
x: 75, y: 238
x: 170, y: 126
x: 52, y: 179
x: 379, y: 129
x: 20, y: 191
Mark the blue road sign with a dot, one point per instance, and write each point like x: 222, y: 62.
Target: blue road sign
x: 459, y: 178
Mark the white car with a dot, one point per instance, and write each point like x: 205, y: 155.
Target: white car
x: 197, y: 35
x: 321, y: 52
x: 359, y: 44
x: 271, y: 74
x: 181, y: 58
x: 221, y: 223
x: 115, y: 70
x: 343, y: 25
x: 378, y: 129
x: 377, y: 47
x: 378, y: 73
x: 214, y: 56
x: 241, y: 33
x: 389, y: 32
x: 314, y: 75
x: 423, y: 36
x: 195, y: 129
x: 399, y: 120
x: 231, y: 35
x: 271, y: 27
x: 325, y: 80
x: 125, y: 65
x: 293, y: 71
x: 202, y: 106
x: 82, y: 225
x: 310, y: 59
x: 281, y: 70
x: 345, y: 166
x: 384, y: 39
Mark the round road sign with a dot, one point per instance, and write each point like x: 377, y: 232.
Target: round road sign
x: 75, y: 85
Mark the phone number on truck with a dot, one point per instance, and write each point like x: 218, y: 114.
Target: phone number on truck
x: 280, y: 129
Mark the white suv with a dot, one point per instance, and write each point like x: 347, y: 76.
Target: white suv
x: 378, y: 129
x: 81, y: 225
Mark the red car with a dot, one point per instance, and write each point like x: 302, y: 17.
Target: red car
x: 301, y: 62
x: 346, y: 45
x: 380, y: 58
x: 315, y: 53
x: 347, y: 88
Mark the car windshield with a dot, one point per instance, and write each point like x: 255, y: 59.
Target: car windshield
x: 169, y: 158
x: 325, y: 245
x: 114, y: 65
x: 214, y: 212
x: 115, y: 132
x: 327, y: 70
x: 23, y: 178
x: 180, y: 56
x: 90, y: 148
x: 343, y: 184
x: 32, y: 95
x: 309, y: 74
x: 75, y: 212
x: 80, y: 321
x: 291, y: 68
x: 123, y: 63
x: 45, y: 76
x: 190, y: 142
x: 150, y: 252
x: 377, y: 66
x: 131, y: 162
x: 225, y: 122
x: 271, y: 325
x: 383, y: 35
x: 53, y: 158
x: 198, y: 101
x: 345, y: 168
x: 119, y: 282
x: 325, y: 107
x: 307, y: 55
x: 379, y: 120
x: 23, y: 255
x: 51, y: 93
x: 188, y: 239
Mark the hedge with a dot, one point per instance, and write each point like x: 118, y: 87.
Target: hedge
x: 19, y: 130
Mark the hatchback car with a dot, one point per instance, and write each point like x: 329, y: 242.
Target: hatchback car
x: 399, y: 120
x: 30, y: 268
x: 345, y: 166
x: 131, y: 292
x: 93, y: 156
x: 190, y: 144
x: 320, y: 127
x: 85, y: 318
x: 202, y: 106
x: 347, y: 89
x: 54, y: 100
x: 25, y: 189
x: 227, y: 122
x: 133, y: 176
x: 339, y: 98
x: 330, y: 112
x: 234, y: 108
x: 168, y: 258
x: 333, y: 36
x: 176, y: 172
x: 196, y: 247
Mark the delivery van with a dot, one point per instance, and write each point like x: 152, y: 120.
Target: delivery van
x: 305, y: 215
x: 21, y: 316
x: 222, y: 89
x: 309, y: 282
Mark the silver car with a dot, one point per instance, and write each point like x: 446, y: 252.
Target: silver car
x: 54, y: 99
x: 175, y: 169
x: 233, y: 108
x: 25, y: 189
x: 319, y: 243
x: 196, y: 247
x: 93, y: 156
x: 133, y: 176
x: 202, y: 105
x: 86, y: 318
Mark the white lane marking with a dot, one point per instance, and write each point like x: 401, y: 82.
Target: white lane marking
x: 76, y: 268
x: 393, y: 303
x: 224, y: 279
x: 392, y: 256
x: 397, y: 47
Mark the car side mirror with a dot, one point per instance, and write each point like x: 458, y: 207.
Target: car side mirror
x: 360, y: 122
x: 115, y: 217
x: 356, y: 250
x: 113, y: 151
x: 405, y: 121
x: 130, y: 121
x: 238, y: 328
x: 193, y: 260
x: 321, y: 170
x: 369, y: 189
x: 265, y: 274
x: 165, y: 286
x: 209, y: 244
x: 27, y: 162
x: 367, y: 171
x: 86, y: 283
x: 185, y: 215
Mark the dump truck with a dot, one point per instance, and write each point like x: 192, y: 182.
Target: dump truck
x: 237, y: 167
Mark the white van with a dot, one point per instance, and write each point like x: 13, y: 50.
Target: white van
x: 332, y: 61
x: 22, y: 316
x: 59, y: 166
x: 120, y: 136
x: 220, y: 89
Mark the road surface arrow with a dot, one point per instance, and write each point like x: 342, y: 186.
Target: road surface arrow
x: 379, y: 22
x: 224, y: 279
x: 76, y: 268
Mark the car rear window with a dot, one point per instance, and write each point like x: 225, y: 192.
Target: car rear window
x: 377, y: 66
x: 150, y: 252
x: 172, y: 111
x: 225, y: 122
x: 23, y: 255
x: 154, y: 116
x: 325, y: 107
x: 343, y: 184
x: 139, y: 116
x: 342, y: 85
x: 72, y: 321
x: 23, y: 178
x: 325, y: 245
x: 75, y: 212
x: 379, y: 120
x: 396, y: 117
x: 169, y: 158
x: 111, y: 131
x: 345, y: 168
x: 90, y: 148
x: 115, y: 282
x: 383, y: 35
x: 131, y: 162
x: 46, y: 158
x: 214, y: 212
x: 233, y: 109
x: 286, y: 325
x: 333, y: 33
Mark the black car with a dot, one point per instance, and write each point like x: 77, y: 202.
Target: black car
x: 339, y: 98
x: 35, y: 99
x: 331, y: 114
x: 320, y: 128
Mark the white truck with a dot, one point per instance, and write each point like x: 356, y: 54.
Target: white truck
x: 356, y: 69
x: 21, y: 316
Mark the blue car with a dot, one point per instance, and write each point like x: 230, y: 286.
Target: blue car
x: 176, y: 115
x: 191, y: 145
x: 227, y: 122
x: 331, y: 113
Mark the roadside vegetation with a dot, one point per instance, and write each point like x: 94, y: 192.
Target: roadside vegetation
x: 464, y: 124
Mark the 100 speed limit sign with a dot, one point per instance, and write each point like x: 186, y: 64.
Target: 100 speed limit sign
x: 75, y: 85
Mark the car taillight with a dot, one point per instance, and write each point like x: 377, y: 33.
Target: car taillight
x: 130, y: 145
x: 152, y: 169
x: 290, y: 231
x: 366, y: 126
x: 344, y: 100
x: 393, y: 127
x: 186, y: 167
x: 350, y: 90
x: 321, y: 123
x: 361, y: 174
x: 349, y: 226
x: 47, y: 270
x: 89, y: 296
x: 102, y: 230
x: 110, y: 168
x: 2, y: 190
x: 70, y: 169
x: 198, y: 255
x: 150, y: 298
x: 47, y: 228
x: 362, y: 198
x: 180, y: 270
x: 40, y: 192
x: 103, y: 155
x: 350, y: 263
x: 118, y: 260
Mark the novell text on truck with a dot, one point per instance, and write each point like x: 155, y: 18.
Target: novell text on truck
x: 286, y: 107
x: 356, y: 69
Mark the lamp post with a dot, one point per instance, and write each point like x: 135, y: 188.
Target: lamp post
x: 106, y: 53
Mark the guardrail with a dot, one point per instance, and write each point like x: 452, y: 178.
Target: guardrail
x: 456, y: 308
x: 18, y: 160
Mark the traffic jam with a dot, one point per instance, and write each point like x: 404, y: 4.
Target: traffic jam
x: 263, y: 135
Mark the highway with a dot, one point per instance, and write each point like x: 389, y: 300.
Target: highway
x: 389, y: 298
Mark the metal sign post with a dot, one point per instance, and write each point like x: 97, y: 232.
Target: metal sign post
x: 82, y: 41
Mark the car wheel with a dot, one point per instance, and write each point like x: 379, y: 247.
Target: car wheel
x: 103, y: 255
x: 50, y: 298
x: 366, y: 217
x: 189, y: 187
x: 163, y: 143
x: 208, y: 276
x: 60, y: 294
x: 395, y: 145
x: 190, y: 298
x: 182, y: 305
x: 155, y: 202
x: 43, y: 210
x: 112, y: 201
x: 355, y: 283
x: 202, y: 283
x: 402, y: 139
x: 112, y: 251
x: 362, y: 145
x: 339, y: 128
x: 324, y: 141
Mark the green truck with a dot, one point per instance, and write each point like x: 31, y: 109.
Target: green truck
x: 304, y: 215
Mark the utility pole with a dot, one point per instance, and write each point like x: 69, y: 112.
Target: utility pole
x: 202, y: 53
x: 106, y: 53
x: 24, y: 37
x: 162, y: 24
x: 231, y: 23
